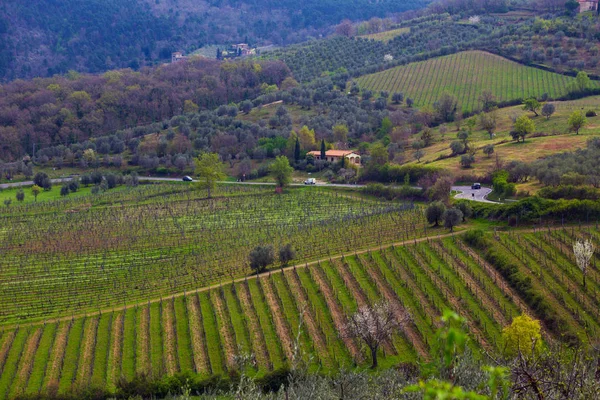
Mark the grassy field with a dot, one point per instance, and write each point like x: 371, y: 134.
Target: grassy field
x: 386, y: 36
x: 97, y: 251
x: 552, y: 136
x: 466, y: 75
x: 203, y: 331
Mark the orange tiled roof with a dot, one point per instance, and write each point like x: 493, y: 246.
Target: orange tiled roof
x: 332, y: 153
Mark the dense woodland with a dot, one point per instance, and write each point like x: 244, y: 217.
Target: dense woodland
x: 47, y: 37
x: 71, y: 109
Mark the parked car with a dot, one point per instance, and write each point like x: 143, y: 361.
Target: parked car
x: 476, y: 186
x: 187, y: 179
x: 310, y: 181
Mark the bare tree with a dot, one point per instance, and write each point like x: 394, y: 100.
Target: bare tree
x: 584, y: 250
x: 374, y: 324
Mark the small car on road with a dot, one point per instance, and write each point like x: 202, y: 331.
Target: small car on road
x: 310, y: 181
x: 187, y: 179
x: 476, y: 186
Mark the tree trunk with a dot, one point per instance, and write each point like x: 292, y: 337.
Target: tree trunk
x: 374, y: 357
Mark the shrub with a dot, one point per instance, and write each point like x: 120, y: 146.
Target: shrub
x: 590, y: 113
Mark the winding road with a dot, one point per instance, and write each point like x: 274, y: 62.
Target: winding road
x: 465, y: 191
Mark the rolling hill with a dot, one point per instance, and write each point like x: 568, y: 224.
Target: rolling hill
x: 467, y: 75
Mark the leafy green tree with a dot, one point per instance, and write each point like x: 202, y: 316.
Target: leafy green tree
x: 7, y: 202
x: 261, y: 257
x: 64, y: 190
x: 379, y: 155
x: 487, y: 100
x: 36, y: 190
x: 435, y: 213
x: 466, y: 210
x: 488, y: 122
x: 281, y: 170
x: 523, y: 127
x: 531, y: 104
x: 522, y: 336
x: 452, y: 217
x: 446, y: 106
x: 577, y: 120
x: 210, y: 170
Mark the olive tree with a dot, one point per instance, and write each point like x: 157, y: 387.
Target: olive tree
x: 452, y: 217
x: 548, y: 109
x: 435, y: 212
x: 260, y: 257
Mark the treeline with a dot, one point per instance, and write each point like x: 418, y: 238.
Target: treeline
x: 64, y: 110
x: 48, y: 37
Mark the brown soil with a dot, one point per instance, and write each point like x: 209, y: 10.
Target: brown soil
x: 258, y: 341
x: 225, y: 329
x: 116, y: 349
x: 57, y: 355
x: 26, y: 363
x: 339, y: 318
x: 201, y: 362
x: 281, y: 326
x: 429, y: 310
x: 86, y: 361
x: 143, y: 342
x: 399, y: 311
x: 361, y: 299
x: 170, y: 337
x: 312, y: 327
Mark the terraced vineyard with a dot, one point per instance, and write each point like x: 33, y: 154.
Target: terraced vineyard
x: 91, y: 253
x: 202, y: 331
x: 467, y: 75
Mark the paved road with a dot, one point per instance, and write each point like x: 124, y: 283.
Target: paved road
x: 472, y: 194
x: 466, y: 191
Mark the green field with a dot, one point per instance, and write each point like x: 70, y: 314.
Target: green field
x: 386, y: 36
x: 467, y: 75
x: 203, y: 331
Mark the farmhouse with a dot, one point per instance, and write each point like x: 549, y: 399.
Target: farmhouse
x: 177, y: 56
x: 588, y: 5
x: 336, y: 155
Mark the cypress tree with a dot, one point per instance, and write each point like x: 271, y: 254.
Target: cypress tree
x: 297, y: 150
x: 323, y: 156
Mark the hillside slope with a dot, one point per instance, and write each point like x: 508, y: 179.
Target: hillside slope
x: 467, y: 75
x: 45, y: 37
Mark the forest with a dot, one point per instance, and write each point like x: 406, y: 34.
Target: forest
x: 47, y: 37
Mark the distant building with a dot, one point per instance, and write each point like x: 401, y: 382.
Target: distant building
x: 336, y: 155
x: 588, y: 5
x: 177, y: 56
